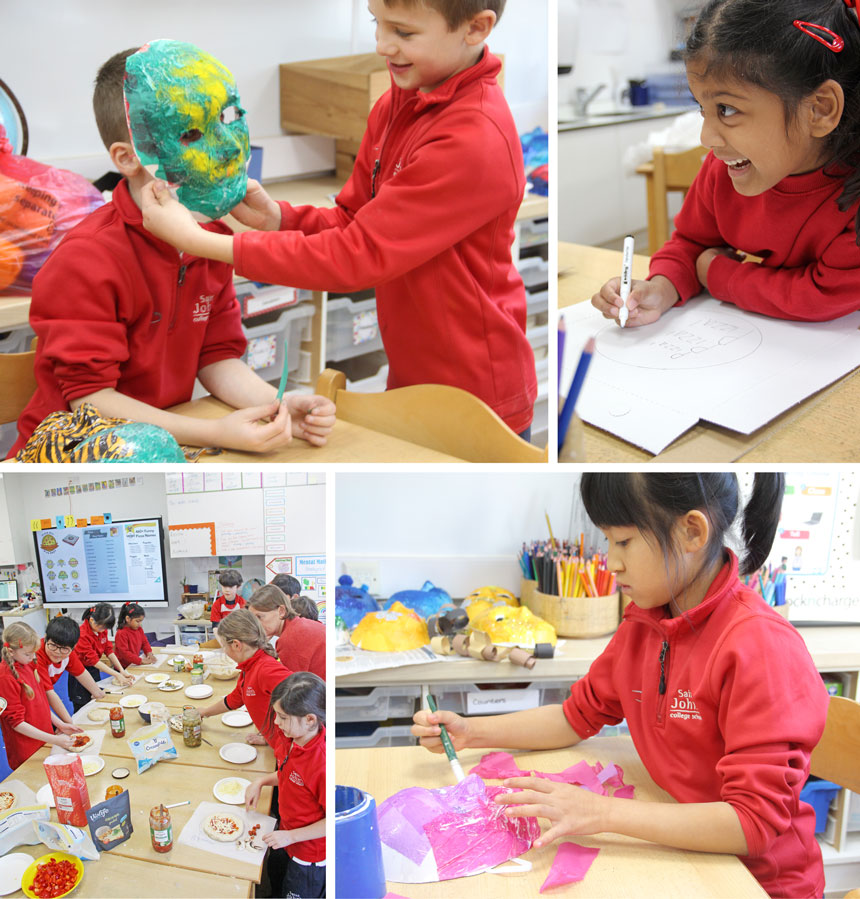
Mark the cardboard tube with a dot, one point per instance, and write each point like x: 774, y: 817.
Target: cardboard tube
x: 544, y: 651
x: 461, y: 644
x: 522, y: 657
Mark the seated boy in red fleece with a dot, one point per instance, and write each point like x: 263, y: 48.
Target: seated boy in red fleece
x: 426, y: 217
x: 126, y: 323
x: 229, y: 600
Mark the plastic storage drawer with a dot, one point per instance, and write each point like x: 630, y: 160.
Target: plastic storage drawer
x: 376, y: 705
x: 534, y: 232
x: 352, y: 327
x: 265, y: 352
x: 396, y: 735
x: 455, y: 697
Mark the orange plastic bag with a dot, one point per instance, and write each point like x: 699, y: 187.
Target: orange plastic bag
x: 38, y: 205
x: 69, y: 786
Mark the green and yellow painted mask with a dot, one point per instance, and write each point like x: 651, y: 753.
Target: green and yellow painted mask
x: 187, y: 124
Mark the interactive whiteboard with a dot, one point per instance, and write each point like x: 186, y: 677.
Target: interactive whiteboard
x: 116, y: 562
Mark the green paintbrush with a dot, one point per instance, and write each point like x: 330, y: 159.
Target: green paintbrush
x: 283, y: 385
x: 446, y: 742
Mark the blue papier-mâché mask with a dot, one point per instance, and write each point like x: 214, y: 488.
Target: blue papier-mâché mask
x: 187, y: 125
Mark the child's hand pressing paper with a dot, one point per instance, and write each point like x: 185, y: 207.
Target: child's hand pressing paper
x: 569, y: 809
x: 258, y: 210
x: 648, y: 300
x: 166, y: 217
x: 313, y: 417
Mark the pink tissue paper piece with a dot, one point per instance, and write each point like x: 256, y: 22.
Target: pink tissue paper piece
x: 596, y: 778
x: 461, y: 825
x: 570, y: 865
x: 393, y: 896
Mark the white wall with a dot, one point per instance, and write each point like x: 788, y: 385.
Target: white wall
x: 25, y: 499
x: 50, y: 51
x: 460, y: 530
x: 615, y: 40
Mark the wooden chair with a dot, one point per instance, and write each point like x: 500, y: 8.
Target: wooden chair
x: 670, y: 172
x: 837, y: 756
x: 439, y: 417
x: 18, y: 377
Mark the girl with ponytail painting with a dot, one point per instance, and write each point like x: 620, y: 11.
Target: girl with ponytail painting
x: 721, y: 697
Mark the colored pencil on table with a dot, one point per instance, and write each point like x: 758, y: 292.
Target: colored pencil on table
x: 573, y: 394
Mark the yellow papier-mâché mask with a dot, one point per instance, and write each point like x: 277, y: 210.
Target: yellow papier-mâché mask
x: 187, y: 125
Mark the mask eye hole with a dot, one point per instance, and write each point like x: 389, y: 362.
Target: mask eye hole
x: 191, y: 137
x: 231, y: 114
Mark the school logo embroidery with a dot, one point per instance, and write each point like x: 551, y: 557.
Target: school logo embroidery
x: 249, y: 691
x: 202, y: 308
x: 398, y: 167
x: 295, y: 777
x: 683, y: 706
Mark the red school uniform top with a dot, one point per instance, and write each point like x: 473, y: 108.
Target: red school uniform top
x: 131, y: 642
x: 20, y: 708
x: 114, y: 306
x: 427, y: 219
x: 221, y: 608
x: 258, y: 676
x: 301, y: 646
x: 50, y: 672
x: 810, y: 269
x: 301, y: 793
x: 92, y: 646
x: 741, y: 709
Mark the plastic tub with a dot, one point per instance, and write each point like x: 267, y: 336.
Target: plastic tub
x: 353, y: 328
x: 819, y: 794
x: 265, y: 352
x: 377, y: 704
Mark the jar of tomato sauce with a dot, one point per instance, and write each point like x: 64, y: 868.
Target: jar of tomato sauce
x: 117, y: 721
x: 160, y: 829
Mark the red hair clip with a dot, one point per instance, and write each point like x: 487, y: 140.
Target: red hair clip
x: 836, y: 45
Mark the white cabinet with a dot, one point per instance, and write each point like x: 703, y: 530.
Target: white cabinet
x: 597, y: 200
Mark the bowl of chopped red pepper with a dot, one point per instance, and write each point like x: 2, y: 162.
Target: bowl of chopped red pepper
x: 52, y: 876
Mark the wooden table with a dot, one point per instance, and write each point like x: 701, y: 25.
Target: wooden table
x: 133, y: 868
x: 822, y: 428
x: 625, y: 867
x: 421, y: 423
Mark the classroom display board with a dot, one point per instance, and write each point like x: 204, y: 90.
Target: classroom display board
x: 245, y: 513
x: 115, y: 562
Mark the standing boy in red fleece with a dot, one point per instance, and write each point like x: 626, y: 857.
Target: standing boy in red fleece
x: 426, y: 217
x: 229, y: 600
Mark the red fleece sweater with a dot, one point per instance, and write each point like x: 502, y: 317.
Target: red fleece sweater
x: 301, y: 793
x: 19, y: 709
x: 301, y: 646
x: 50, y: 672
x: 114, y: 306
x: 258, y: 676
x: 811, y: 267
x: 91, y: 646
x: 742, y: 710
x: 427, y: 219
x: 131, y: 643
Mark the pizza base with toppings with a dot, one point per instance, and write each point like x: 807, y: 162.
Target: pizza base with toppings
x: 81, y: 742
x: 7, y: 800
x: 224, y: 827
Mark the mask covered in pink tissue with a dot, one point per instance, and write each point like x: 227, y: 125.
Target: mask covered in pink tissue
x: 431, y: 835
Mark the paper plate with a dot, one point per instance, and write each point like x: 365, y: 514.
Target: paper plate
x: 3, y: 709
x: 159, y: 677
x: 92, y: 764
x: 30, y: 873
x: 231, y: 790
x: 45, y: 796
x: 236, y: 718
x: 199, y: 691
x: 12, y: 868
x: 170, y: 685
x: 132, y: 701
x: 238, y: 753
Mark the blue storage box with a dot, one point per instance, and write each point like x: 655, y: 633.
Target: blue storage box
x: 819, y: 794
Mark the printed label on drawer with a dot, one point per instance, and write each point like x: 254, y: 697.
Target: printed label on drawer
x: 483, y: 701
x: 262, y: 352
x: 269, y: 300
x: 364, y: 327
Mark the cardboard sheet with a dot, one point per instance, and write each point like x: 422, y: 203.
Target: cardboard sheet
x: 707, y: 361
